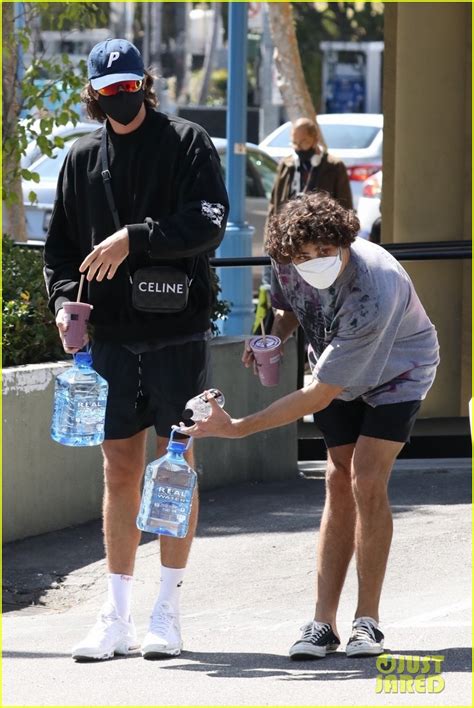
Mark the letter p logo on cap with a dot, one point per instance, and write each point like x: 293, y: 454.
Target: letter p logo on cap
x: 113, y: 56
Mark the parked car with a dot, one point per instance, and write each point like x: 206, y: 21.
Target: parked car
x: 368, y: 209
x: 355, y: 138
x: 66, y: 132
x: 259, y: 178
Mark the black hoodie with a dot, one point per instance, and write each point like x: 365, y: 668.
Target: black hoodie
x: 166, y: 172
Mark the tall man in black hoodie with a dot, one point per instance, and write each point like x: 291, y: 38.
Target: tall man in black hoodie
x: 171, y: 208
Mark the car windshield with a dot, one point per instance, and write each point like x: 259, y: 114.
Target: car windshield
x: 338, y: 136
x: 349, y: 137
x: 266, y: 168
x: 261, y: 183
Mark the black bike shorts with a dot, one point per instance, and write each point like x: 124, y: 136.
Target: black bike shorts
x: 149, y: 389
x: 342, y: 422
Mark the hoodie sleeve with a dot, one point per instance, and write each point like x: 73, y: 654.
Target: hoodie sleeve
x: 198, y: 225
x: 62, y: 256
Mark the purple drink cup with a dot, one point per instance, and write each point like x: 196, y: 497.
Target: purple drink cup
x: 267, y: 355
x: 76, y: 317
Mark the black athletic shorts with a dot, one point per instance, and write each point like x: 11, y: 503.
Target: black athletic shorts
x: 149, y: 389
x: 342, y: 422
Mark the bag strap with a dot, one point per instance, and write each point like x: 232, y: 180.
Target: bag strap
x: 107, y: 177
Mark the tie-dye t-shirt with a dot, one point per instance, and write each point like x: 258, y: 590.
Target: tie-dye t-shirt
x: 368, y: 332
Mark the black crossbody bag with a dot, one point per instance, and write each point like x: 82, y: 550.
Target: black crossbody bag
x: 161, y: 289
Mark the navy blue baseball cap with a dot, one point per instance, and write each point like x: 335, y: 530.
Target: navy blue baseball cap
x: 112, y: 61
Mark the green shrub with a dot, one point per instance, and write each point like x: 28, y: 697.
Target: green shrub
x: 220, y: 308
x: 29, y: 334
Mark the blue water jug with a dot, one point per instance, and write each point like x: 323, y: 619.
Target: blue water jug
x: 80, y: 399
x: 168, y: 492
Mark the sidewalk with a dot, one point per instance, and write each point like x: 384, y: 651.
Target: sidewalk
x: 248, y: 589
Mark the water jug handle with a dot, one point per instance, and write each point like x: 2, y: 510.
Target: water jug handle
x: 177, y: 429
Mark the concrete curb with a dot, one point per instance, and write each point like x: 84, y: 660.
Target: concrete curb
x: 317, y: 468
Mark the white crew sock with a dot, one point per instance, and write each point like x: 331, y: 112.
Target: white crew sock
x: 171, y: 581
x: 120, y: 593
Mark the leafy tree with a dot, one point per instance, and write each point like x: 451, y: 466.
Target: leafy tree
x: 31, y: 81
x: 344, y: 21
x: 337, y: 21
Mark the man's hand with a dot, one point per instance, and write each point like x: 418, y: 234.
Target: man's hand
x: 248, y: 358
x: 62, y: 327
x: 218, y: 424
x: 107, y: 256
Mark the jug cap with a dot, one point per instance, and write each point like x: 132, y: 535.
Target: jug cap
x: 177, y: 445
x: 83, y: 358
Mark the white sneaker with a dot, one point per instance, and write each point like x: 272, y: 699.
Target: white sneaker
x: 110, y: 635
x: 164, y: 634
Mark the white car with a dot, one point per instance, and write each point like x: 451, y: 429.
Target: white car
x: 67, y: 132
x: 368, y: 209
x: 355, y: 138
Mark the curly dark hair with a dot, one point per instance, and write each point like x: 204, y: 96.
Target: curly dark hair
x: 314, y: 218
x: 96, y: 113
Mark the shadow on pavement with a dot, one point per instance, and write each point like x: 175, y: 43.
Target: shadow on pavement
x: 35, y: 565
x: 336, y: 667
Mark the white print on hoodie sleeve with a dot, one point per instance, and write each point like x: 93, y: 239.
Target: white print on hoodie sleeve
x: 214, y: 212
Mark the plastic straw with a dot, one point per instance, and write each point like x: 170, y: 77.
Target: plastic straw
x: 262, y: 327
x: 81, y: 283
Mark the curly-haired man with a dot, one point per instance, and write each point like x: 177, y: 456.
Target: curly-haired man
x: 373, y: 353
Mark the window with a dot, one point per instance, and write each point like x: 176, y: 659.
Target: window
x: 266, y: 169
x: 339, y: 136
x: 259, y: 174
x: 283, y: 139
x: 344, y: 136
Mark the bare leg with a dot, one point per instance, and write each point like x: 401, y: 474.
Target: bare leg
x: 336, y: 535
x: 175, y: 551
x: 124, y: 462
x: 372, y: 464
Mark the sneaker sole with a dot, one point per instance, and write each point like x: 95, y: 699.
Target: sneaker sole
x: 306, y: 654
x: 91, y: 656
x: 365, y: 651
x: 160, y: 654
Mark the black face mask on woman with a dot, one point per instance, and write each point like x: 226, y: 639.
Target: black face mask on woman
x: 123, y: 107
x: 305, y: 155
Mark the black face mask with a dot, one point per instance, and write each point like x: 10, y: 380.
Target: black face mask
x: 305, y: 155
x: 123, y: 107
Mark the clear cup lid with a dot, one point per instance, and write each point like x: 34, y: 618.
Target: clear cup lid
x: 270, y: 342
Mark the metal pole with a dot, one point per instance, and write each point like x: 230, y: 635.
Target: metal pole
x: 129, y: 10
x: 237, y: 284
x: 156, y: 36
x: 146, y: 34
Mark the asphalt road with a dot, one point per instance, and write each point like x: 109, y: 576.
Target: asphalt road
x: 248, y: 589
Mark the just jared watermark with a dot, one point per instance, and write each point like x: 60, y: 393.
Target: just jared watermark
x: 409, y: 674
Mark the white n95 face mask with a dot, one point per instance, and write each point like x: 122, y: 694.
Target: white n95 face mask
x: 321, y: 272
